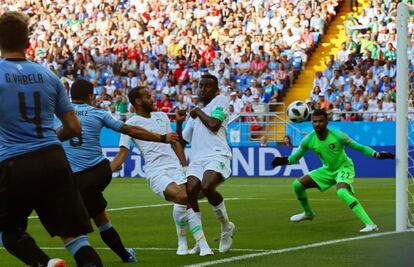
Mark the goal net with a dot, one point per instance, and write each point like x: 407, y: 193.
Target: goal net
x: 405, y: 121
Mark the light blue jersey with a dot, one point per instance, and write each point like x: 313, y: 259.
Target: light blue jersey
x: 30, y: 96
x: 86, y: 151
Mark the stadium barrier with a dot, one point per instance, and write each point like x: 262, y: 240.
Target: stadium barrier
x: 255, y: 162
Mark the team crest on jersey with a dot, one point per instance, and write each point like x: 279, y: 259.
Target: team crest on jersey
x: 332, y: 146
x: 160, y: 122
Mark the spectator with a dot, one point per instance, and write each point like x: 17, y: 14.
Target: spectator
x: 236, y: 102
x: 286, y: 141
x: 263, y: 140
x: 165, y: 105
x: 320, y: 81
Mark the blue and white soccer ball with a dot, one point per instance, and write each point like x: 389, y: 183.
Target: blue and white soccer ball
x: 298, y: 111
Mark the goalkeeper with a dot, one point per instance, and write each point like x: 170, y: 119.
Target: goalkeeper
x: 337, y: 169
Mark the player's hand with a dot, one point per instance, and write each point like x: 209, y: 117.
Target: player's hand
x: 193, y: 112
x: 278, y: 161
x: 180, y: 115
x: 172, y: 137
x: 384, y: 155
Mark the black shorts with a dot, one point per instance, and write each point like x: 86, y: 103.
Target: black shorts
x: 42, y: 181
x: 91, y: 183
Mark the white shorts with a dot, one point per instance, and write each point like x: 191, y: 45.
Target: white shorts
x: 220, y: 164
x: 159, y: 182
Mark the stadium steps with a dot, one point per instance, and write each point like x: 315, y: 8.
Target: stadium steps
x: 329, y: 44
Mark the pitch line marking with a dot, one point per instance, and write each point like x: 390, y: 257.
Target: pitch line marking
x: 157, y: 249
x: 161, y: 205
x: 284, y: 250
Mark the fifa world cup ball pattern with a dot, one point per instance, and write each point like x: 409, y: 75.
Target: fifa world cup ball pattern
x: 298, y: 111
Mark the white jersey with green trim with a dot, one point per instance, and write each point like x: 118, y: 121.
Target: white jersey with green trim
x: 204, y: 142
x: 157, y: 156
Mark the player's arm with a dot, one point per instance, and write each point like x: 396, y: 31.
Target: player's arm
x: 366, y: 150
x: 136, y: 131
x: 121, y: 156
x: 142, y: 134
x: 179, y: 151
x: 70, y: 128
x: 119, y: 159
x: 293, y: 158
x: 180, y: 117
x: 213, y: 123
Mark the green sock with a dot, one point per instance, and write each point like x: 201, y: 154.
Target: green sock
x: 354, y: 204
x: 300, y: 192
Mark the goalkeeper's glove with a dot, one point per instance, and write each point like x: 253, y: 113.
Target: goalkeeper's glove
x: 278, y: 161
x: 384, y: 155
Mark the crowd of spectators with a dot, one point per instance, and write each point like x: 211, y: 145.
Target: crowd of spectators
x: 254, y: 48
x: 359, y: 84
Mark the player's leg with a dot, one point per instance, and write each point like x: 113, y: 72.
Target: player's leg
x: 185, y: 217
x: 61, y: 210
x: 216, y: 171
x: 193, y: 191
x: 344, y: 191
x: 319, y: 178
x: 91, y: 184
x: 111, y: 237
x: 17, y: 180
x: 299, y: 187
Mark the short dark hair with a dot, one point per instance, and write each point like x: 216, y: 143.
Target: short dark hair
x: 135, y: 93
x: 320, y: 112
x: 14, y: 31
x: 211, y: 77
x: 81, y: 89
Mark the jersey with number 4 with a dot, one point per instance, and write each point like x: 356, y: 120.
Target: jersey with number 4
x: 157, y: 156
x: 85, y: 151
x: 204, y: 142
x: 30, y: 96
x: 331, y: 150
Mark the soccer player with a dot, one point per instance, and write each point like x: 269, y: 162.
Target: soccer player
x: 210, y: 154
x: 91, y: 169
x: 34, y: 172
x: 337, y: 169
x: 164, y: 173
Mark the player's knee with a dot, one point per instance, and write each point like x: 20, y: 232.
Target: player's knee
x: 192, y: 190
x: 297, y: 186
x: 181, y: 198
x: 208, y: 187
x: 342, y: 193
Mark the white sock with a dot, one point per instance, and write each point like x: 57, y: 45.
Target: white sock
x: 181, y: 223
x: 221, y: 214
x: 196, y: 228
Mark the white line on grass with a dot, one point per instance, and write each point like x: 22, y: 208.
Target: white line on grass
x: 327, y: 199
x: 279, y: 251
x: 158, y: 249
x: 162, y: 205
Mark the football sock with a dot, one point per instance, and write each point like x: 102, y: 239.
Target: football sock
x: 302, y: 196
x: 112, y: 239
x: 196, y: 228
x: 181, y: 223
x: 221, y: 214
x: 84, y: 254
x: 23, y: 247
x: 354, y: 204
x: 1, y: 238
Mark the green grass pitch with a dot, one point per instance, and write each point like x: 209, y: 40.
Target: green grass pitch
x: 260, y: 208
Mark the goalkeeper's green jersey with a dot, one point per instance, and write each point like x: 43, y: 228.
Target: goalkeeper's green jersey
x: 331, y: 151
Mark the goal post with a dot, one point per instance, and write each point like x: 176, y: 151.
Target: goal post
x: 403, y: 212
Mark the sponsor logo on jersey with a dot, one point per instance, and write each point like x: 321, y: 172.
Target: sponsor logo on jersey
x: 332, y: 146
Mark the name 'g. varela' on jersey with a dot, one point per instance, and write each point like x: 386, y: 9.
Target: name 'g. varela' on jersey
x: 204, y: 142
x: 30, y: 96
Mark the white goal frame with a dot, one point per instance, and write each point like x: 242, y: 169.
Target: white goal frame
x: 402, y: 118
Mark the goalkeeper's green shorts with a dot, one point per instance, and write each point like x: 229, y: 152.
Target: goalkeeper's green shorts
x: 325, y: 178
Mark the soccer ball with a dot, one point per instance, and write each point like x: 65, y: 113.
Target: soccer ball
x: 298, y: 111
